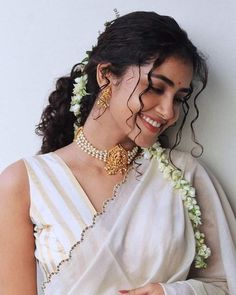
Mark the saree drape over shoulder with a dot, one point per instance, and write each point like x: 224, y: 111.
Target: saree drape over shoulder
x: 144, y: 235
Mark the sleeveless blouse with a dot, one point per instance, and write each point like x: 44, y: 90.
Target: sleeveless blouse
x: 59, y: 209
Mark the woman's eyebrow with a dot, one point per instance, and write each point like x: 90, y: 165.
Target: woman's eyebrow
x: 169, y: 82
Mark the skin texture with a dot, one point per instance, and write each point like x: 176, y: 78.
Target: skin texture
x: 17, y: 268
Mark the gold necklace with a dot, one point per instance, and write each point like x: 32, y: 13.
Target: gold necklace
x: 116, y: 159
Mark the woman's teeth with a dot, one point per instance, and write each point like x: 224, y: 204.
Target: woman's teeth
x: 151, y: 122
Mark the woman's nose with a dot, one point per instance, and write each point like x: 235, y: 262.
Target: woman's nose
x: 166, y: 108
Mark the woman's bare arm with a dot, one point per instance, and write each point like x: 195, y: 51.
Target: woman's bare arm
x: 17, y: 262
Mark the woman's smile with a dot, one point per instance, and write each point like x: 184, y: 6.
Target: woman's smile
x: 153, y: 125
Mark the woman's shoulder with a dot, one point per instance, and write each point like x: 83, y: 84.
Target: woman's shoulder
x: 193, y: 167
x: 14, y: 176
x: 183, y: 160
x: 197, y: 173
x: 14, y: 188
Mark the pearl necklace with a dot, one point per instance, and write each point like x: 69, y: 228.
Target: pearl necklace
x: 117, y: 159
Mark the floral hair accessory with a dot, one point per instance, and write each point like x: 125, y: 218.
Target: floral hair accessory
x: 188, y: 196
x: 79, y: 89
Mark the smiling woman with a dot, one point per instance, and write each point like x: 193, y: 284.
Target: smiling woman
x: 104, y: 207
x: 153, y: 106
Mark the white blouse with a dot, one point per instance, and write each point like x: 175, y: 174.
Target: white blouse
x: 59, y: 209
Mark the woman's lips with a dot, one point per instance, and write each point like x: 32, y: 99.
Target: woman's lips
x: 152, y: 125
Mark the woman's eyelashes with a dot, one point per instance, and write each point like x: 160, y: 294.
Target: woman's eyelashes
x: 157, y: 90
x: 178, y: 98
x: 181, y: 99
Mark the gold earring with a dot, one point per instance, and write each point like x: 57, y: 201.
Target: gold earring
x: 104, y: 97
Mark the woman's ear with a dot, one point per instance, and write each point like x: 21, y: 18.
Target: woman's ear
x: 104, y: 76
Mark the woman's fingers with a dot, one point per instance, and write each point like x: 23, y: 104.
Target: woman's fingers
x: 149, y: 289
x: 139, y: 291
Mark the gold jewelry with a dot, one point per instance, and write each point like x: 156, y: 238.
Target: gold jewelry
x: 104, y: 97
x: 116, y: 159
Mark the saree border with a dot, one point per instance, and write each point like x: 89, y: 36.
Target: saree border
x: 94, y: 220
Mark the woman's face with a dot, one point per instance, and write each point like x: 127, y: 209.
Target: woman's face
x: 161, y: 104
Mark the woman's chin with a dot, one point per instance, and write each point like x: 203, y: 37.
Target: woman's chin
x: 145, y: 144
x: 143, y: 140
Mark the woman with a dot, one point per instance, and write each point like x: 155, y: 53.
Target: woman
x: 112, y: 212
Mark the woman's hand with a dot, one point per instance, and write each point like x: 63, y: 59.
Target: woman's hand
x: 149, y: 289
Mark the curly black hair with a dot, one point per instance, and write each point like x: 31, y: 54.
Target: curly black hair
x: 133, y: 39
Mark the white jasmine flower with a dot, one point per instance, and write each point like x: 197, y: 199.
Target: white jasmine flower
x: 197, y: 211
x: 157, y: 145
x: 162, y: 166
x: 80, y: 86
x: 79, y: 91
x: 189, y: 203
x: 199, y: 263
x: 178, y: 185
x: 75, y: 108
x: 191, y: 192
x: 197, y: 235
x: 204, y: 251
x: 164, y: 159
x: 176, y: 175
x: 197, y: 220
x: 207, y: 253
x: 167, y: 171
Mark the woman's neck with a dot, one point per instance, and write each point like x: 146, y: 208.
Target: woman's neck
x: 104, y: 133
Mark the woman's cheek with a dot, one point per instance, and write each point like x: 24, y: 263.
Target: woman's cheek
x: 177, y: 112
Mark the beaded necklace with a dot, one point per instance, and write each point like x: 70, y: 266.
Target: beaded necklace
x: 116, y: 159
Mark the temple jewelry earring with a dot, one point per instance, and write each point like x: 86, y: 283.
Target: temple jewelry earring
x: 104, y: 97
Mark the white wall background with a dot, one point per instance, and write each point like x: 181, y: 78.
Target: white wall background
x: 42, y: 40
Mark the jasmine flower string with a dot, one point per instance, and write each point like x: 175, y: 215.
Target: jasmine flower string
x: 188, y: 196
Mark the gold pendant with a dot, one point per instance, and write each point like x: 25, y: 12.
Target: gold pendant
x: 117, y: 160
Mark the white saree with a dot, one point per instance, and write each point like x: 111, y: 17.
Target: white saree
x: 145, y: 236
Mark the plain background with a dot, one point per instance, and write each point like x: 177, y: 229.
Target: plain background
x: 42, y: 40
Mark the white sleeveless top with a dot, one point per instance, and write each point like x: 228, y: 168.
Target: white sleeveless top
x: 59, y: 209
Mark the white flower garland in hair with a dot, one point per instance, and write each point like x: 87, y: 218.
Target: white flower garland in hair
x: 79, y: 90
x: 188, y: 196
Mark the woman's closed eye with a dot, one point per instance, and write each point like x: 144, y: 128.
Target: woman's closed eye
x: 178, y: 98
x: 157, y: 90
